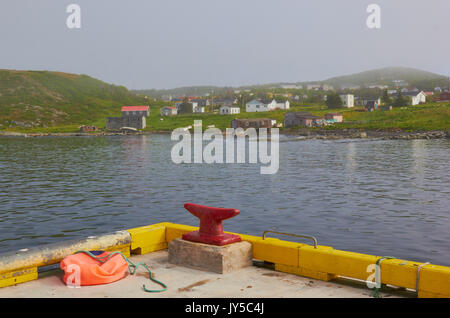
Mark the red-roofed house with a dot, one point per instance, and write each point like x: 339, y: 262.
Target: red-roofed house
x: 132, y: 116
x: 136, y: 111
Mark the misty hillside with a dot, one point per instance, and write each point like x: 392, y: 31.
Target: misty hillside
x: 188, y: 91
x: 42, y: 98
x: 385, y: 76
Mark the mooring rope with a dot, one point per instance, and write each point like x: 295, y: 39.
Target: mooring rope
x: 131, y: 267
x: 376, y: 291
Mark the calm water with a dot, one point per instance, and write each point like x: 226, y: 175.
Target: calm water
x: 378, y: 197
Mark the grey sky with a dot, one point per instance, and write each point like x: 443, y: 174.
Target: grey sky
x: 172, y: 43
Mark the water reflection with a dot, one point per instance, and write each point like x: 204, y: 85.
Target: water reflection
x: 378, y: 197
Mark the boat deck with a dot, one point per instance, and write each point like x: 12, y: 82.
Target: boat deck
x: 250, y: 282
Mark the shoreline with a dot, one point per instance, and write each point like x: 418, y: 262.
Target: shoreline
x: 306, y: 134
x: 297, y: 134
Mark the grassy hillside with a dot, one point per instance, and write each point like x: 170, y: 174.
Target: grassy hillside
x: 39, y: 99
x: 425, y: 117
x: 385, y: 76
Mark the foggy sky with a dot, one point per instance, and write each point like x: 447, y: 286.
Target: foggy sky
x: 172, y: 43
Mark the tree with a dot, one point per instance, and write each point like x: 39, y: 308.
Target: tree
x: 333, y: 100
x: 386, y: 100
x: 399, y: 100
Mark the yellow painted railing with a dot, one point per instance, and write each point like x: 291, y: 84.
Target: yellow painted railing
x: 322, y: 262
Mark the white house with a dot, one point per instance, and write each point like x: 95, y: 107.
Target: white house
x: 348, y: 100
x: 256, y: 106
x: 282, y: 105
x: 417, y: 98
x: 196, y: 108
x: 229, y: 110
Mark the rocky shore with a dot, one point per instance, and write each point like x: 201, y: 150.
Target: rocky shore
x: 297, y: 134
x: 75, y: 134
x: 370, y: 134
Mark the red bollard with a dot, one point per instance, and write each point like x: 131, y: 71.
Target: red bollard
x: 211, y: 230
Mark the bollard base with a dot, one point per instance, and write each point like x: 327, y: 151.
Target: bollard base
x: 210, y: 258
x: 223, y: 239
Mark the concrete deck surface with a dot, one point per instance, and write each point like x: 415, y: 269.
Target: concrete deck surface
x: 250, y: 282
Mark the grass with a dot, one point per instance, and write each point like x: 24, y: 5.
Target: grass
x: 424, y: 117
x: 43, y: 99
x: 427, y: 117
x: 410, y: 118
x: 55, y: 102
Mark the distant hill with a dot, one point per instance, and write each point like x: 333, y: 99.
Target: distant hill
x: 386, y: 76
x: 42, y: 99
x: 187, y: 91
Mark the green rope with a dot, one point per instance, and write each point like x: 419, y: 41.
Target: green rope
x: 376, y: 292
x: 131, y: 267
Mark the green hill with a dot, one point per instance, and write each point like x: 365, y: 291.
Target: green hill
x: 385, y: 76
x: 44, y: 99
x: 188, y: 91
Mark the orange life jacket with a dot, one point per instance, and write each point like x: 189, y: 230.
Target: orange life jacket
x: 83, y: 270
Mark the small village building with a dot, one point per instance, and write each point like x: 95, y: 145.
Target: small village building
x: 348, y: 100
x: 253, y: 123
x: 293, y: 119
x: 370, y: 100
x: 335, y: 117
x: 229, y: 110
x: 372, y: 105
x: 196, y: 108
x: 132, y: 116
x: 311, y: 121
x: 444, y: 97
x: 218, y: 102
x: 168, y: 111
x: 256, y: 105
x: 115, y: 123
x: 224, y: 101
x: 136, y: 111
x: 282, y: 105
x: 202, y: 102
x: 416, y: 98
x: 87, y: 128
